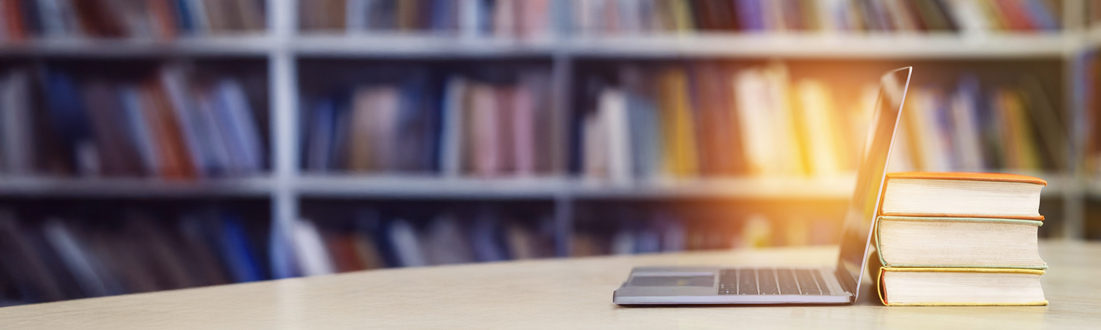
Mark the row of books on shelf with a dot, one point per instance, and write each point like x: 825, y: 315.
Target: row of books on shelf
x: 711, y: 120
x: 667, y: 121
x: 672, y: 16
x: 45, y: 257
x: 1012, y: 127
x: 455, y: 125
x: 372, y: 241
x: 165, y: 19
x: 64, y: 258
x: 499, y: 18
x: 171, y: 124
x: 142, y: 19
x: 514, y: 18
x: 1087, y: 119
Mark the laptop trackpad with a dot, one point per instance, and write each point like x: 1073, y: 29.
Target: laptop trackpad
x: 671, y: 282
x: 675, y: 281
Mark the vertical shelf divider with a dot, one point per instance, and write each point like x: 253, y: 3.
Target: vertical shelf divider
x: 284, y: 132
x: 1075, y: 31
x: 562, y: 76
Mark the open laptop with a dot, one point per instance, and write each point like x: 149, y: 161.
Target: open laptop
x: 783, y: 285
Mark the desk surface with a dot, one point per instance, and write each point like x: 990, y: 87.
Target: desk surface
x: 559, y: 294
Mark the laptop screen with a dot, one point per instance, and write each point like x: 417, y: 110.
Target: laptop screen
x: 861, y: 215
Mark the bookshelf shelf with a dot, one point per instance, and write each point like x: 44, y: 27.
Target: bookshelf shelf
x: 429, y: 187
x: 870, y: 46
x: 412, y: 186
x: 256, y: 45
x: 417, y: 45
x: 554, y: 187
x: 749, y: 188
x: 134, y: 188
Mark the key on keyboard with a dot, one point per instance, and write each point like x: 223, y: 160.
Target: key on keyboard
x: 806, y: 282
x: 747, y: 281
x: 766, y: 281
x: 771, y: 281
x: 786, y: 277
x: 728, y: 281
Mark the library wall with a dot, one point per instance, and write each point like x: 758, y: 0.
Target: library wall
x: 163, y: 144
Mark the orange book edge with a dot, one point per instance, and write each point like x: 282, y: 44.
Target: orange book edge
x: 948, y: 215
x: 968, y: 176
x: 883, y: 295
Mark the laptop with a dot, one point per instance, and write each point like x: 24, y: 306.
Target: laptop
x: 791, y: 285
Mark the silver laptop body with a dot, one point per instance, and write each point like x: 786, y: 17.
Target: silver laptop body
x: 788, y: 285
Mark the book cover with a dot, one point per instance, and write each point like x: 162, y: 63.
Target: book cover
x: 310, y: 250
x: 164, y: 123
x: 1019, y: 147
x: 238, y: 252
x: 17, y: 135
x: 755, y: 122
x: 883, y: 261
x: 523, y: 131
x: 1051, y: 134
x: 966, y: 127
x: 451, y: 135
x: 881, y: 290
x: 960, y: 176
x: 238, y: 114
x: 678, y: 125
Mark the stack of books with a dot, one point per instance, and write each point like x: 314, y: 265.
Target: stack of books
x: 959, y: 239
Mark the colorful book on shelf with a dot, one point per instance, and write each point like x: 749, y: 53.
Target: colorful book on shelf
x: 644, y: 125
x: 967, y: 126
x: 444, y: 242
x: 17, y: 138
x: 678, y: 127
x: 819, y: 129
x: 239, y: 255
x: 309, y: 248
x: 1019, y: 148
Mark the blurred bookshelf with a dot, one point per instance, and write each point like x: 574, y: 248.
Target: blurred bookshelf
x: 308, y: 54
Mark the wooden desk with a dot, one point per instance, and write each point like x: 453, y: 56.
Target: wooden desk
x: 556, y: 294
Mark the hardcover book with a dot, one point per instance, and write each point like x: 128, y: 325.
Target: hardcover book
x: 954, y: 194
x: 960, y: 287
x: 958, y: 242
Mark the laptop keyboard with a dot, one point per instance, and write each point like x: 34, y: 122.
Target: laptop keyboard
x: 771, y: 281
